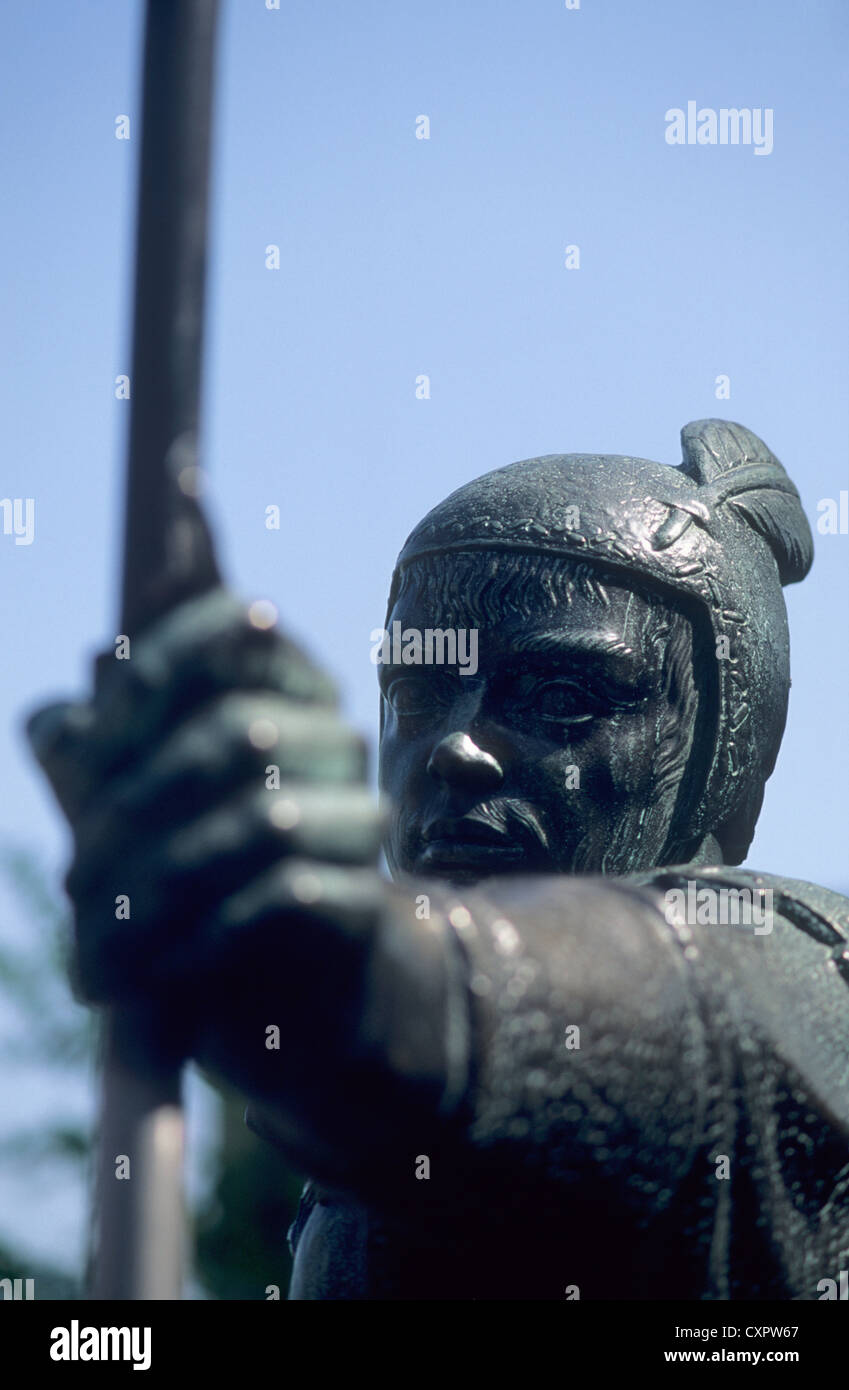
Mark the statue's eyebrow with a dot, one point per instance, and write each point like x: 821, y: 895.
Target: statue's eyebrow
x: 559, y: 639
x: 613, y: 654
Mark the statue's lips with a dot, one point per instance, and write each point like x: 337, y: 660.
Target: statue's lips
x: 467, y: 841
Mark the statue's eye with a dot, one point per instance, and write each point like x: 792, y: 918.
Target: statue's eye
x: 562, y: 700
x: 410, y: 695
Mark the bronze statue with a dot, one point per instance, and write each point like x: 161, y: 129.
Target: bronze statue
x: 540, y: 1064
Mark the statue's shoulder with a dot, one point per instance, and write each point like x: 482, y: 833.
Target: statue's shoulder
x: 819, y: 912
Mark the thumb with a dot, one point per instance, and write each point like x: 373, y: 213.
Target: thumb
x: 57, y: 734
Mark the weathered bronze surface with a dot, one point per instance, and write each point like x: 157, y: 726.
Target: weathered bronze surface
x: 542, y: 1063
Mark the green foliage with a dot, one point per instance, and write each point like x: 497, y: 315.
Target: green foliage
x: 240, y: 1229
x: 49, y: 1283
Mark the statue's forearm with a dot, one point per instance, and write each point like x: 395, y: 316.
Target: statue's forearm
x: 551, y: 1038
x: 359, y: 1048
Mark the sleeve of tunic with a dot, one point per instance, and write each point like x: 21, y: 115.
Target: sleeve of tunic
x: 609, y: 1101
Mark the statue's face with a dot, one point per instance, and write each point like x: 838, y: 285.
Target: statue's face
x: 562, y: 753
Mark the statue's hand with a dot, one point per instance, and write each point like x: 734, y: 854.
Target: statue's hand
x: 216, y: 799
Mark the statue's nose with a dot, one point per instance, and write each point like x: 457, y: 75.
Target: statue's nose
x: 456, y: 759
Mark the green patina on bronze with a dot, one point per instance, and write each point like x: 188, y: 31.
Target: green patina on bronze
x: 611, y: 1098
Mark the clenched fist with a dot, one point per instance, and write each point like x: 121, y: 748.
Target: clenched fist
x: 225, y: 872
x: 217, y: 803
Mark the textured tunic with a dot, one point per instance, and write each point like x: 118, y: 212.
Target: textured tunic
x: 629, y: 1107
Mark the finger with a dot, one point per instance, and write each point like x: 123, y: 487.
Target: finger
x: 136, y: 918
x: 294, y: 898
x: 165, y: 886
x: 57, y: 733
x: 237, y: 741
x: 337, y: 824
x: 284, y: 921
x: 203, y: 648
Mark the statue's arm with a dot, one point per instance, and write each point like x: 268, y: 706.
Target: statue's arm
x: 367, y: 1032
x: 541, y: 1029
x: 590, y: 1084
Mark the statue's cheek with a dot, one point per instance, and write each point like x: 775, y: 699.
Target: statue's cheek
x: 602, y: 764
x: 631, y: 749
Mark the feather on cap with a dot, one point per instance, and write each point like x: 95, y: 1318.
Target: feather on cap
x: 733, y: 466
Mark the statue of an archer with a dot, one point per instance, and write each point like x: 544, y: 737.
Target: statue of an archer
x: 514, y: 1073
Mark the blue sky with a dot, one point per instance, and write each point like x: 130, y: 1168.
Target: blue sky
x: 446, y: 257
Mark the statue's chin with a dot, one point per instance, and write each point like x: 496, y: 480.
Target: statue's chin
x: 462, y: 863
